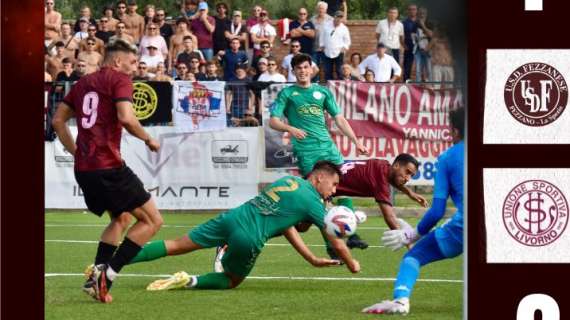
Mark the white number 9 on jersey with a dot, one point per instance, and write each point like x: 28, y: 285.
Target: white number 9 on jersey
x: 90, y: 103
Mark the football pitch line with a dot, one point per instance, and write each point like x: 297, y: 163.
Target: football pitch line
x: 51, y: 225
x: 138, y: 275
x: 267, y: 244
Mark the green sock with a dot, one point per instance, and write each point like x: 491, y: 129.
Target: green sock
x: 151, y: 251
x: 347, y: 202
x: 214, y: 280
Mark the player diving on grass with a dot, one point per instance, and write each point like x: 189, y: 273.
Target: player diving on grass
x: 246, y: 229
x: 443, y: 242
x: 304, y: 105
x: 101, y: 103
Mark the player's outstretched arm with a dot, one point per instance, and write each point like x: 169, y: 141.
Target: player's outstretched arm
x: 59, y: 123
x: 346, y: 129
x: 128, y: 119
x: 414, y: 196
x: 277, y: 124
x: 343, y: 252
x: 389, y: 215
x: 297, y: 242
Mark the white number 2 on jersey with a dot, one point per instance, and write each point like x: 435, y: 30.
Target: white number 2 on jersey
x: 90, y: 104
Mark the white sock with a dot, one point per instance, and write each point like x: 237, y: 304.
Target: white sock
x: 193, y: 282
x: 111, y: 274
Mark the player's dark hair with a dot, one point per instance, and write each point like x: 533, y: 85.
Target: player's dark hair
x: 300, y: 58
x: 327, y: 167
x: 405, y: 158
x: 119, y: 45
x: 457, y: 120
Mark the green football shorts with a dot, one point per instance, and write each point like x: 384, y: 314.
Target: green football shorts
x: 306, y: 159
x: 242, y: 251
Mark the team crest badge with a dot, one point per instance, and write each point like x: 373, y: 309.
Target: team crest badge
x: 317, y: 95
x: 536, y: 94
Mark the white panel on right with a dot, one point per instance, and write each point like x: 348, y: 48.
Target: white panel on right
x: 526, y: 215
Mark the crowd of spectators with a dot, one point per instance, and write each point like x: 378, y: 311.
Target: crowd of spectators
x: 197, y: 46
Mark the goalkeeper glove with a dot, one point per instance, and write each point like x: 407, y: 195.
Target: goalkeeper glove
x: 395, y: 239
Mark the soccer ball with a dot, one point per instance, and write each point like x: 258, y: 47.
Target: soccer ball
x: 340, y: 221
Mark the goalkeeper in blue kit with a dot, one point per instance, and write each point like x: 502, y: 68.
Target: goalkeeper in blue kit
x: 443, y: 242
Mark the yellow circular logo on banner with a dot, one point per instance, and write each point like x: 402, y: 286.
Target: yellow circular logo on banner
x: 145, y: 100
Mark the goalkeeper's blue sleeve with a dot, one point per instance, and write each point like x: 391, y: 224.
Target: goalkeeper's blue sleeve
x: 432, y: 216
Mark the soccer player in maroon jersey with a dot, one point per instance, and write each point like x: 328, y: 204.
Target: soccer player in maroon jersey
x: 101, y: 103
x: 373, y: 178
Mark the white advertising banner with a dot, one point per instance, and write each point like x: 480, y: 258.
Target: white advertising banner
x: 198, y: 106
x: 209, y: 170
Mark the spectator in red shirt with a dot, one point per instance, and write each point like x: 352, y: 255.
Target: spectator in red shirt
x: 203, y: 27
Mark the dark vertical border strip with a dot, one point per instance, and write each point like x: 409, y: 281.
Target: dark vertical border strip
x: 22, y: 201
x: 494, y: 290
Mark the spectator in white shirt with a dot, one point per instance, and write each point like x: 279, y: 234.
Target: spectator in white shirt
x: 334, y: 42
x: 286, y: 63
x: 272, y: 74
x: 152, y: 58
x: 263, y: 31
x: 384, y: 66
x: 390, y: 32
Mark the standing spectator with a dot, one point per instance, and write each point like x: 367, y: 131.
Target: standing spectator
x: 67, y: 73
x: 182, y: 72
x: 390, y: 32
x: 369, y: 76
x: 211, y: 72
x: 160, y: 73
x: 83, y: 26
x: 410, y: 28
x: 71, y: 44
x: 346, y: 73
x: 165, y: 28
x: 153, y: 38
x: 265, y: 53
x: 108, y: 12
x: 240, y: 100
x: 441, y: 60
x: 355, y: 60
x: 231, y: 58
x: 122, y: 34
x: 286, y: 63
x: 149, y: 13
x: 263, y: 31
x: 99, y: 44
x: 421, y: 54
x: 81, y: 68
x: 52, y: 22
x: 337, y: 5
x: 55, y: 63
x: 320, y: 20
x: 262, y: 67
x: 104, y: 33
x: 382, y: 64
x: 250, y: 22
x: 177, y: 40
x: 203, y: 27
x: 84, y: 13
x: 133, y: 21
x: 91, y: 57
x: 189, y: 53
x: 272, y: 74
x: 152, y: 58
x: 142, y: 72
x: 334, y: 42
x: 236, y: 29
x: 189, y: 9
x: 222, y: 24
x: 303, y: 30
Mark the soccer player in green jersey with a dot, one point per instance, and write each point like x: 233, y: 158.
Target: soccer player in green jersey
x: 304, y: 105
x: 245, y: 229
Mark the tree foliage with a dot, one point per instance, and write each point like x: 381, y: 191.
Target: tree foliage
x: 357, y: 9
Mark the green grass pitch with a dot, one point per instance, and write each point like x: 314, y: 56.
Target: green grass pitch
x: 281, y: 286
